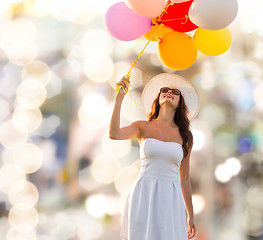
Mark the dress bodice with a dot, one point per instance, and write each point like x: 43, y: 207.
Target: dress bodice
x: 160, y: 159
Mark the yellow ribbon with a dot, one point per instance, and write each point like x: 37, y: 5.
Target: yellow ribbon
x: 133, y: 64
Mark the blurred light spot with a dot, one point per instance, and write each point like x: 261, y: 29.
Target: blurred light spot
x: 225, y: 144
x: 31, y: 93
x: 5, y: 109
x: 18, y: 234
x: 94, y: 230
x: 28, y: 157
x: 90, y: 122
x: 17, y: 40
x: 249, y: 17
x: 29, y: 119
x: 39, y: 8
x: 76, y: 11
x: 23, y: 217
x: 213, y: 115
x: 234, y: 165
x: 21, y: 55
x: 10, y: 136
x: 68, y: 69
x: 48, y: 126
x: 254, y: 196
x: 99, y: 68
x: 155, y: 60
x: 54, y: 86
x: 140, y: 43
x: 10, y: 80
x: 96, y: 41
x: 258, y: 96
x: 94, y: 104
x: 227, y: 233
x: 96, y: 205
x: 24, y: 193
x: 100, y: 6
x: 198, y: 203
x: 93, y: 112
x: 9, y: 175
x: 120, y: 70
x: 64, y: 228
x: 224, y: 172
x: 18, y: 32
x: 112, y: 205
x: 252, y: 221
x: 105, y: 168
x: 87, y: 181
x: 115, y: 148
x: 6, y: 12
x: 7, y: 156
x: 245, y: 145
x: 132, y: 107
x: 122, y: 202
x: 37, y: 70
x: 125, y: 178
x: 199, y: 140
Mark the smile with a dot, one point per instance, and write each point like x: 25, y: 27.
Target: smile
x: 169, y: 96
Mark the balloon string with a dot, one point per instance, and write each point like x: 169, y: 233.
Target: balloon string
x: 159, y: 22
x: 133, y: 64
x: 175, y: 19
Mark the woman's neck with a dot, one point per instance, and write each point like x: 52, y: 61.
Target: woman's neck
x: 166, y: 115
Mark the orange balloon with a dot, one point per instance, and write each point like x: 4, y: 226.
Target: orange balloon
x: 177, y: 50
x: 157, y: 31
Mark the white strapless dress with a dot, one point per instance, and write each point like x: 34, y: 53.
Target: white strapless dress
x: 155, y: 208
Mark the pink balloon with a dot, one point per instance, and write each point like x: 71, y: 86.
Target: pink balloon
x: 124, y: 24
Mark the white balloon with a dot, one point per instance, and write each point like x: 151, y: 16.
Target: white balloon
x: 213, y: 14
x: 179, y: 1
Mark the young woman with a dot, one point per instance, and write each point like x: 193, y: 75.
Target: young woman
x: 155, y: 208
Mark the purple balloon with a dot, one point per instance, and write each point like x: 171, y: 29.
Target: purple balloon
x: 124, y: 24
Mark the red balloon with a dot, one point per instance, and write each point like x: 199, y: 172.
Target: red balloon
x: 176, y: 16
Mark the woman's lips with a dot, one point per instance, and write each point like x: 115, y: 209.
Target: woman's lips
x: 169, y: 95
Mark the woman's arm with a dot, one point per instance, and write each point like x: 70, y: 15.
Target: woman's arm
x: 187, y: 194
x: 116, y: 132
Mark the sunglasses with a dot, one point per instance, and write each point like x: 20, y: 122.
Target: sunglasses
x: 174, y: 91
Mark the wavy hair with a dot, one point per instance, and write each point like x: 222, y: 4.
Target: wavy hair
x: 180, y: 119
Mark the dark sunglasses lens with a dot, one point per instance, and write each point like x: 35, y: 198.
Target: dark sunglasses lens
x: 164, y: 90
x: 176, y: 92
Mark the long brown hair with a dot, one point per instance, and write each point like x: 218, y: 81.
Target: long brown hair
x: 180, y: 119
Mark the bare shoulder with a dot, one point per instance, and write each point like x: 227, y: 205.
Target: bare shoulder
x: 140, y: 123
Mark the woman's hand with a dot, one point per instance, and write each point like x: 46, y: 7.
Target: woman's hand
x: 124, y: 83
x: 192, y: 229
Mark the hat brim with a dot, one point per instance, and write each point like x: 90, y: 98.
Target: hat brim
x: 152, y: 88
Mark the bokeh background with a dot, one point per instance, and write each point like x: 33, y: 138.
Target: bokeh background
x: 62, y: 178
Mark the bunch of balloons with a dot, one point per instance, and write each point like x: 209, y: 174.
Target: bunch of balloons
x: 170, y: 22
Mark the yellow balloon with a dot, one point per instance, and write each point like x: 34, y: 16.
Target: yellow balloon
x: 177, y: 50
x: 157, y: 31
x: 212, y: 43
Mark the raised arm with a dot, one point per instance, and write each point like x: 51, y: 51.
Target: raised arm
x: 116, y: 132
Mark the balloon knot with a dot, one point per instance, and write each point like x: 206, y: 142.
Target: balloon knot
x: 186, y: 19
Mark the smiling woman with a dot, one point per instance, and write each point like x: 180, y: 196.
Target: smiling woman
x: 162, y: 191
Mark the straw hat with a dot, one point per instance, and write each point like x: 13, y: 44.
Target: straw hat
x: 189, y: 93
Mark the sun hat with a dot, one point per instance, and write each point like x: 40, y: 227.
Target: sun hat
x: 152, y: 88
